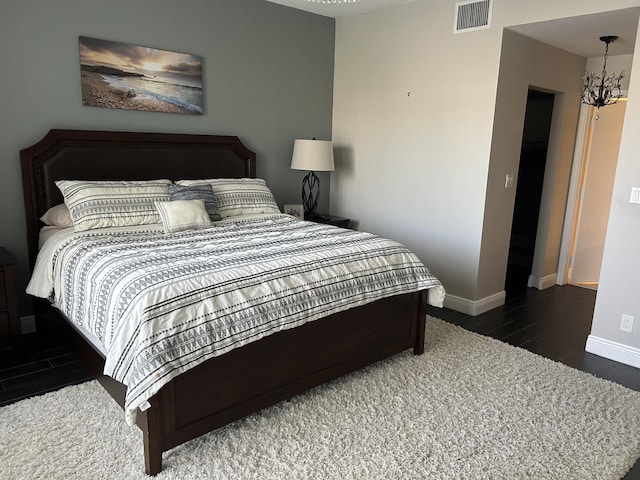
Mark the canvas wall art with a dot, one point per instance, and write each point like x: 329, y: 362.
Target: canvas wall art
x: 131, y: 77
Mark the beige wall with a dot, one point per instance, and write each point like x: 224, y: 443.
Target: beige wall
x: 618, y: 290
x: 595, y: 202
x: 413, y: 120
x: 412, y: 110
x: 526, y: 63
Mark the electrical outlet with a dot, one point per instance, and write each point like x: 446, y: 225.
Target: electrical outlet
x: 626, y: 324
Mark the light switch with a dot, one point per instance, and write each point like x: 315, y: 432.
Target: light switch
x: 635, y: 195
x: 508, y: 182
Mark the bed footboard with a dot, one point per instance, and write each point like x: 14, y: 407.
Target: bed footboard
x: 262, y: 373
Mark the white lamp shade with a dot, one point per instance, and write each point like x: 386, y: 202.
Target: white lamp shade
x: 312, y: 155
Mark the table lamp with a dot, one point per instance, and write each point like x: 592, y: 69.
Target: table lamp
x: 312, y: 155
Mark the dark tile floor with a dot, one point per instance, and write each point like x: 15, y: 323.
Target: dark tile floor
x: 46, y: 362
x: 554, y: 323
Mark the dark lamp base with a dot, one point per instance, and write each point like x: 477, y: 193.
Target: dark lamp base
x: 310, y: 192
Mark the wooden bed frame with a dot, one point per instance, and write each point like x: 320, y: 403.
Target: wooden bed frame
x: 246, y: 379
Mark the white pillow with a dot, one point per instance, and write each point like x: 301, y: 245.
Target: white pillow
x: 100, y: 204
x: 179, y: 215
x: 57, y: 216
x: 239, y: 196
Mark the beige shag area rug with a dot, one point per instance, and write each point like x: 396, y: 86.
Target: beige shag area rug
x: 469, y: 408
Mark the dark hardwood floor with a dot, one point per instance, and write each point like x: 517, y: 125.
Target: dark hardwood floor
x: 553, y: 323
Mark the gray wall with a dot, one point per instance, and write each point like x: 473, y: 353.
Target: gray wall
x: 268, y: 78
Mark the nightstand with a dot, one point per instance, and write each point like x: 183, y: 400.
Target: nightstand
x: 9, y: 318
x: 329, y: 220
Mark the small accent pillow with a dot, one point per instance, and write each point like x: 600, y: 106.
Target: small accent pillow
x: 179, y: 215
x: 100, y: 204
x: 57, y: 216
x: 197, y: 192
x: 239, y: 196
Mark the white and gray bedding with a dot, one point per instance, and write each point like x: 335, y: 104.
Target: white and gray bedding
x: 160, y: 304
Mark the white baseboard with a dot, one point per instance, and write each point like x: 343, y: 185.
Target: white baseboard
x: 542, y: 282
x: 615, y: 351
x: 547, y: 281
x: 28, y: 324
x: 474, y: 307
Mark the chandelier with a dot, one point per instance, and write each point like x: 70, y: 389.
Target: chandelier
x: 600, y: 91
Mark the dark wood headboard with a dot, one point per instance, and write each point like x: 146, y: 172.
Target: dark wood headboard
x: 103, y: 155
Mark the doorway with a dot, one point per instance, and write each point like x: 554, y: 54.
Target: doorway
x: 595, y: 177
x: 533, y: 158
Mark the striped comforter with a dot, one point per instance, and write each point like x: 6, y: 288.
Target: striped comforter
x: 162, y: 303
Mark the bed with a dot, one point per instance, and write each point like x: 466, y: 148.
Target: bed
x: 242, y: 380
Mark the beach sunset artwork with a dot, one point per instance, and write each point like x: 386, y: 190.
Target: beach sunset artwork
x: 131, y: 77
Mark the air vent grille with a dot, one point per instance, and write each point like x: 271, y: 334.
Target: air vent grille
x: 472, y: 15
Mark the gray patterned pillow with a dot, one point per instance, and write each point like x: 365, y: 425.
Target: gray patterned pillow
x: 100, y: 204
x: 197, y: 192
x: 240, y: 196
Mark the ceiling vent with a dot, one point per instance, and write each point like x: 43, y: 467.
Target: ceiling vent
x: 472, y: 15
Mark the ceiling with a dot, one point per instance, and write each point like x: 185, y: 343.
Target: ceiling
x: 578, y: 35
x: 339, y: 9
